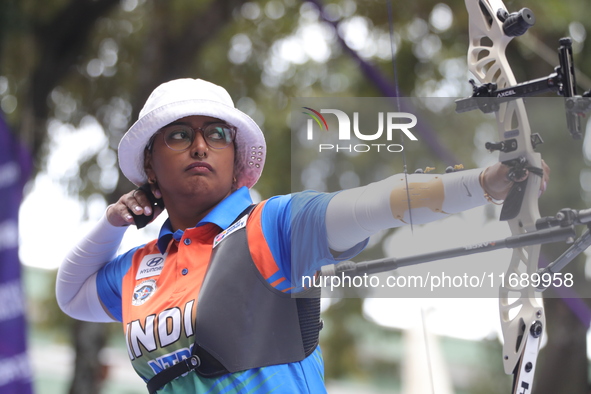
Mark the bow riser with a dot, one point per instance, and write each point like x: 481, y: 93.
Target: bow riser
x: 520, y: 307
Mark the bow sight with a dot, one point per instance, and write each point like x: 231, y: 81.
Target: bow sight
x: 562, y: 80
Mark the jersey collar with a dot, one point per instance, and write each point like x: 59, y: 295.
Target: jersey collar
x: 221, y: 215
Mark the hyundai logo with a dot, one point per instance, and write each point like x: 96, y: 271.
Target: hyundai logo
x: 155, y: 261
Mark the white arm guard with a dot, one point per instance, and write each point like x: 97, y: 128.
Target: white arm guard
x: 76, y: 290
x: 355, y: 214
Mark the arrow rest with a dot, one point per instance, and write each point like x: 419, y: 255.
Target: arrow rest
x: 511, y: 144
x: 506, y: 146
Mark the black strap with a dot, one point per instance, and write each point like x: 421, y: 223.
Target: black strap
x: 172, y: 372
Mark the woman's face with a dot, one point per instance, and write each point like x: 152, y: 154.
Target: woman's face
x: 204, y: 174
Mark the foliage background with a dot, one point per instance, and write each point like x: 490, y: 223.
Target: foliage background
x: 67, y: 65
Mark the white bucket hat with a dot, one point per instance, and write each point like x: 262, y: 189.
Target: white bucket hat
x: 186, y: 97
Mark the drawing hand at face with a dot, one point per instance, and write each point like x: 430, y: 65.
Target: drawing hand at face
x: 138, y: 202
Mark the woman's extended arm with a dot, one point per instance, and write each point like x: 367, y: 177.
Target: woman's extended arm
x: 355, y: 214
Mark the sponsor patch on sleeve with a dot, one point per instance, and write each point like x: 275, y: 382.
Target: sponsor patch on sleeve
x: 151, y: 265
x: 236, y: 226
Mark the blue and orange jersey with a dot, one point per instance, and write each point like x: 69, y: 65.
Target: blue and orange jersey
x: 154, y: 289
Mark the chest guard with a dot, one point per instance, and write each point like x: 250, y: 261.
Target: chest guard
x: 242, y: 322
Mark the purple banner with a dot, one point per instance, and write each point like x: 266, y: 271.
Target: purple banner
x: 15, y: 167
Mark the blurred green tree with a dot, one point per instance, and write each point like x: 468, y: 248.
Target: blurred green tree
x: 67, y: 62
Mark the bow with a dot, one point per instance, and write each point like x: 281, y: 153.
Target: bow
x: 491, y: 28
x: 522, y: 316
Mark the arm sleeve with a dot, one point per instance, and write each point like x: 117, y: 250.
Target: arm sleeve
x: 76, y: 289
x: 355, y: 214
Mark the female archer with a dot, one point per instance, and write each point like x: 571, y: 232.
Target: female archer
x: 209, y: 305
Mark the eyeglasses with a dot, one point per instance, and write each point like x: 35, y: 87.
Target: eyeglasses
x: 180, y: 137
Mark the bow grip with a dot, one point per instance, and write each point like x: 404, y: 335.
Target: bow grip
x: 512, y: 204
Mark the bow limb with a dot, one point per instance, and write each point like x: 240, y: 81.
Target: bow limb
x: 521, y: 308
